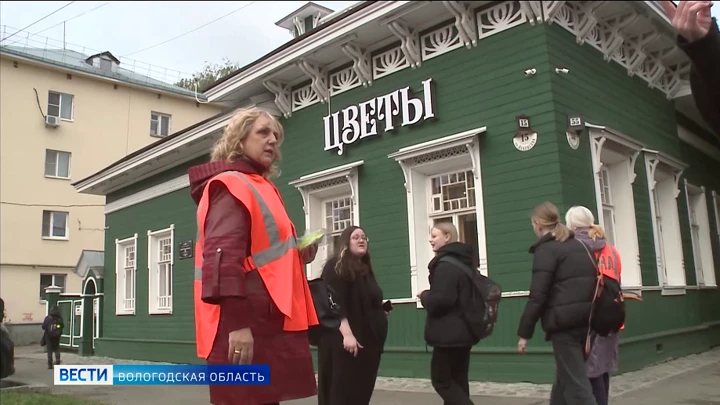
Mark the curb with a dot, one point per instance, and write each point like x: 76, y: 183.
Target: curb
x: 21, y: 387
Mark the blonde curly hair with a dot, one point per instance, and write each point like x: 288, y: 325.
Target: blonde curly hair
x: 230, y: 148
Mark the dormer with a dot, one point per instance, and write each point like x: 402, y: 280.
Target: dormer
x: 104, y: 61
x: 304, y: 19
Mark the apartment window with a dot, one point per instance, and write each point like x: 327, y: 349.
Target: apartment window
x: 60, y: 105
x: 663, y: 176
x: 125, y: 275
x: 614, y: 157
x: 452, y: 199
x: 700, y: 234
x: 57, y: 164
x: 55, y: 225
x: 443, y: 183
x: 330, y: 200
x: 160, y: 268
x: 47, y: 280
x: 159, y: 124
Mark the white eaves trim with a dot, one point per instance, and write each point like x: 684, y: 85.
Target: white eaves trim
x: 667, y: 159
x: 324, y: 175
x: 618, y: 137
x: 443, y: 143
x: 155, y: 191
x: 698, y: 143
x: 324, y: 37
x: 209, y: 127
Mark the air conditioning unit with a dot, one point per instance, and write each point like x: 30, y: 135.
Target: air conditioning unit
x: 51, y: 121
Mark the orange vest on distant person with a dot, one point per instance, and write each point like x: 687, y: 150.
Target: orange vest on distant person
x: 273, y: 252
x: 609, y: 264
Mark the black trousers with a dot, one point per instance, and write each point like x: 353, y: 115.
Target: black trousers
x: 52, y: 347
x: 572, y: 385
x: 449, y: 374
x: 601, y: 388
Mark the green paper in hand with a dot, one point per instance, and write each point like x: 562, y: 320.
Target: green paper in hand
x: 310, y: 237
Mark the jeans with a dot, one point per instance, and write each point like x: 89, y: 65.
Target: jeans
x: 601, y: 388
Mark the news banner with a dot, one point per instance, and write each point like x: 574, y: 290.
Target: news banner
x: 162, y: 374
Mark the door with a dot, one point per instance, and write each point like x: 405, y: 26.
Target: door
x: 96, y: 320
x: 76, y: 325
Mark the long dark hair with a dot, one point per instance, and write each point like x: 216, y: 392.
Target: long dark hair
x: 347, y: 265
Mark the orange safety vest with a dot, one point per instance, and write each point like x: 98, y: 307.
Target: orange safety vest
x: 273, y: 252
x: 609, y: 264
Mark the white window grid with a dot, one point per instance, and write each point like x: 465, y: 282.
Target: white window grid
x: 55, y: 225
x: 57, y: 164
x: 338, y: 213
x: 159, y: 124
x: 444, y: 189
x: 58, y: 105
x: 129, y: 274
x: 607, y: 205
x: 164, y: 273
x: 658, y: 225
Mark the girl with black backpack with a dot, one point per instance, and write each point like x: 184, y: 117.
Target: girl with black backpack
x: 53, y: 326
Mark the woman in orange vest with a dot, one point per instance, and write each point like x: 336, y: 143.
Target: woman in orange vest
x: 252, y: 301
x: 603, y: 357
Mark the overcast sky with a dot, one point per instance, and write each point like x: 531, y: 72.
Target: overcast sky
x: 126, y: 27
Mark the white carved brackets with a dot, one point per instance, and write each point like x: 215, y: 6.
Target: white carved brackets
x: 282, y: 94
x: 465, y: 22
x: 653, y: 159
x: 319, y: 79
x: 362, y: 64
x: 409, y: 41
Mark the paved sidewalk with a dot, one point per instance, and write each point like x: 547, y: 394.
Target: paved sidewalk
x: 692, y: 380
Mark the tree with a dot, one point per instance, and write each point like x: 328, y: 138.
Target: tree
x: 209, y: 74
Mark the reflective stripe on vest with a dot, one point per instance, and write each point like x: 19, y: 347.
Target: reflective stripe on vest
x: 272, y: 256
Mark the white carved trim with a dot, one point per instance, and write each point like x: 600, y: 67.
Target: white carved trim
x: 319, y: 78
x: 600, y: 134
x: 409, y: 41
x: 344, y: 80
x: 119, y: 307
x: 532, y: 11
x: 283, y: 96
x: 362, y: 62
x: 149, y: 193
x: 698, y: 143
x: 440, y: 41
x: 304, y: 97
x: 348, y: 173
x: 499, y: 18
x: 388, y: 62
x: 465, y: 24
x: 152, y: 237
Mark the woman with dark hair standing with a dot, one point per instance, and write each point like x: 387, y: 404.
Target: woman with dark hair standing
x: 348, y: 360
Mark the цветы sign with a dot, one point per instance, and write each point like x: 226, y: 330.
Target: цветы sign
x: 361, y: 121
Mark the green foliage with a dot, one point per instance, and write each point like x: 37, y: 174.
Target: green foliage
x: 211, y: 73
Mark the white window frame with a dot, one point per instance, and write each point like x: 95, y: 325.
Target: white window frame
x: 59, y: 106
x: 420, y: 161
x: 318, y: 188
x: 57, y: 164
x: 53, y: 284
x: 123, y: 304
x: 159, y: 124
x: 716, y: 208
x: 663, y: 176
x: 154, y: 274
x: 52, y: 219
x: 696, y: 198
x: 617, y: 153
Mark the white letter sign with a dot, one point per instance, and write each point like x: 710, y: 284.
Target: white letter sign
x: 362, y: 121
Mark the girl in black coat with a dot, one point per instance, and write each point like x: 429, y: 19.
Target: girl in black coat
x: 348, y: 359
x: 561, y: 294
x: 445, y: 329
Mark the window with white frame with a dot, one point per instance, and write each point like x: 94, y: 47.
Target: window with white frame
x: 452, y: 198
x: 48, y: 280
x: 55, y: 225
x: 159, y: 124
x: 614, y: 156
x: 57, y: 164
x: 700, y: 234
x: 443, y: 183
x: 60, y: 105
x: 663, y: 176
x: 716, y: 206
x: 330, y: 202
x: 125, y: 275
x: 160, y: 269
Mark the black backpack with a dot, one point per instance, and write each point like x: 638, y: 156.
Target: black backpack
x: 608, y: 308
x: 481, y: 315
x: 327, y: 310
x: 54, y: 329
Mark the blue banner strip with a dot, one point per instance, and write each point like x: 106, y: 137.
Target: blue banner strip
x: 183, y: 374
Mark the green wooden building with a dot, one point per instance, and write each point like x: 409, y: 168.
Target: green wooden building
x: 401, y: 114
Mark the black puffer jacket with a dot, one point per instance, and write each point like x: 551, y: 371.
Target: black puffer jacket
x: 450, y: 291
x: 562, y: 288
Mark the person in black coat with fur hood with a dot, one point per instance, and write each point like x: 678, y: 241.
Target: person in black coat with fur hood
x: 446, y: 329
